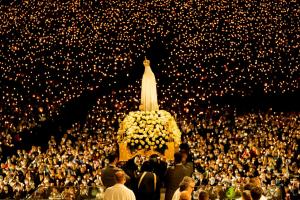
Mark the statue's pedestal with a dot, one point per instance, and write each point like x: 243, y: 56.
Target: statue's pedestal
x: 125, y: 153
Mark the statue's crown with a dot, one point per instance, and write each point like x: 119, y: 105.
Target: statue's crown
x: 146, y: 62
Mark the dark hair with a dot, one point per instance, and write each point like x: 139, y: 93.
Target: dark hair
x: 246, y: 195
x: 256, y: 193
x: 177, y: 157
x: 185, y: 147
x: 146, y: 167
x: 203, y: 195
x: 248, y: 186
x: 154, y: 155
x: 112, y: 157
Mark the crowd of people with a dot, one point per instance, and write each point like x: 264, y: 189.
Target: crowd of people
x: 259, y: 144
x: 74, y: 160
x: 54, y: 51
x: 225, y: 152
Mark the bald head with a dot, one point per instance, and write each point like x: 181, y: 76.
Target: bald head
x: 120, y: 177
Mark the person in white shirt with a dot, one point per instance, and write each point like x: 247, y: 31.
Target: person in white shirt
x: 119, y: 191
x: 186, y: 185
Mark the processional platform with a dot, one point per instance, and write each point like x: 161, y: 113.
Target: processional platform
x: 148, y: 132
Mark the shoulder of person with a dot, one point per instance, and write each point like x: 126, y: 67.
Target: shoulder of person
x: 127, y: 189
x: 132, y: 195
x: 104, y: 170
x: 108, y: 189
x: 189, y: 165
x: 170, y: 169
x: 263, y: 197
x: 116, y: 169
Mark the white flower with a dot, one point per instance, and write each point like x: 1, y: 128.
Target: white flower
x: 144, y: 128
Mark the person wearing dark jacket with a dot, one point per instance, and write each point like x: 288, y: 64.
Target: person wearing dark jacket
x: 160, y: 166
x: 148, y: 187
x: 174, y: 176
x: 108, y: 173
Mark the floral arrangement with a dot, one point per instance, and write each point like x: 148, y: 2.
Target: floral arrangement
x: 149, y: 130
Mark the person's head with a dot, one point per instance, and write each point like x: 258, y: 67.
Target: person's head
x: 248, y: 186
x: 256, y: 193
x: 177, y: 158
x: 185, y: 195
x: 246, y: 195
x: 153, y: 159
x: 153, y: 156
x: 184, y: 147
x: 146, y: 167
x: 120, y: 177
x: 255, y: 181
x: 187, y: 184
x: 184, y: 156
x: 203, y: 195
x: 112, y: 158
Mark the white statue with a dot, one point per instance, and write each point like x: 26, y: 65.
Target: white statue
x: 149, y: 93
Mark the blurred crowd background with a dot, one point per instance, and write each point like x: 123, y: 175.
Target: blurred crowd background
x: 71, y: 71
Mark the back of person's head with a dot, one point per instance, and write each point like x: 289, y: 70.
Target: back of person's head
x: 246, y: 195
x: 248, y: 186
x: 255, y: 181
x: 256, y: 193
x: 203, y: 195
x: 177, y: 157
x: 112, y: 157
x: 184, y: 147
x: 185, y: 196
x: 185, y: 183
x: 120, y: 177
x: 146, y: 167
x: 154, y: 156
x: 153, y: 160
